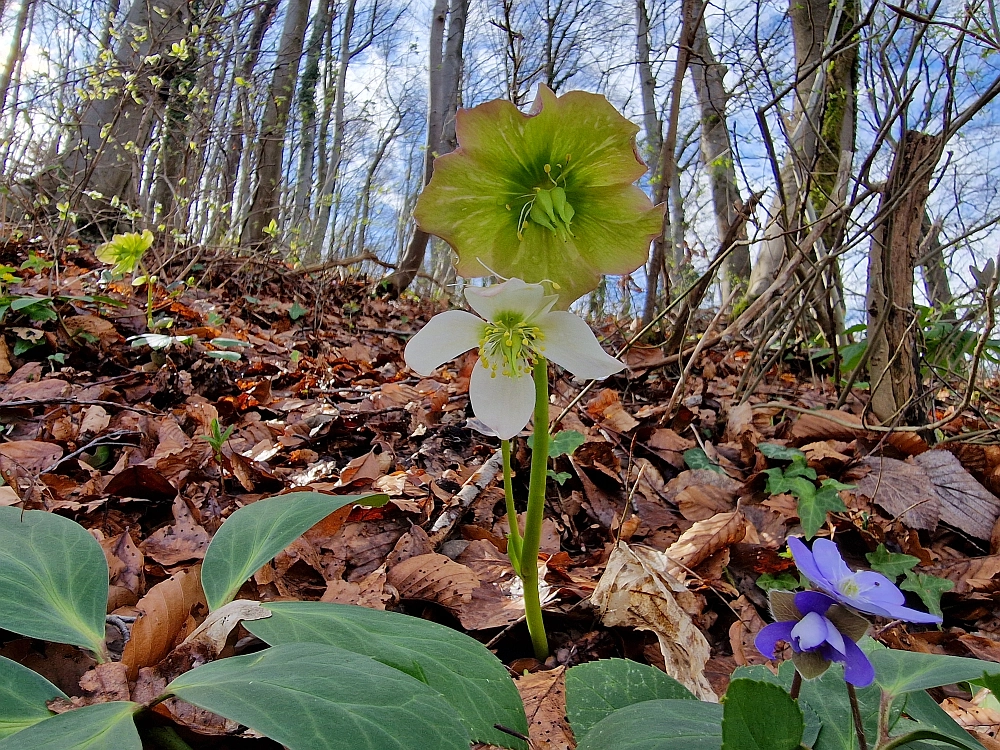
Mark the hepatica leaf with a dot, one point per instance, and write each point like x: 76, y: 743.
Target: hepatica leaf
x: 658, y: 725
x: 747, y: 703
x: 53, y: 579
x: 599, y: 688
x: 310, y: 696
x: 257, y: 532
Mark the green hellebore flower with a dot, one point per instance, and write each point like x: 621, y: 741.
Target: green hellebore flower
x: 543, y: 196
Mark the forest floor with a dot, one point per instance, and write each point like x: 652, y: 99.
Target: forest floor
x: 111, y: 435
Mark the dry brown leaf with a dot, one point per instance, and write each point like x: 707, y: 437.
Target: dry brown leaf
x: 743, y: 631
x: 812, y: 427
x: 499, y: 599
x: 739, y: 422
x: 33, y: 456
x: 369, y: 592
x: 35, y: 389
x: 97, y: 327
x: 973, y: 574
x: 435, y: 578
x: 5, y: 366
x: 366, y: 468
x: 162, y: 613
x: 670, y: 446
x: 125, y: 562
x: 705, y: 538
x: 965, y: 503
x: 95, y: 420
x: 634, y: 591
x: 8, y: 496
x: 213, y: 633
x: 607, y: 409
x: 544, y: 697
x: 183, y: 540
x: 702, y: 493
x: 105, y: 682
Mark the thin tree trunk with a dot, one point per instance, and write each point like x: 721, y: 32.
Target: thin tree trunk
x: 440, y: 90
x: 264, y: 208
x: 894, y: 367
x: 717, y: 155
x: 329, y: 193
x: 654, y: 142
x: 15, y: 50
x: 934, y: 269
x: 307, y: 112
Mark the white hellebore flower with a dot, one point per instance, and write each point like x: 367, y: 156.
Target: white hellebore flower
x: 516, y: 327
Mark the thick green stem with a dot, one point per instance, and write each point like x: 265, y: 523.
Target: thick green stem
x: 536, y: 509
x: 514, y: 537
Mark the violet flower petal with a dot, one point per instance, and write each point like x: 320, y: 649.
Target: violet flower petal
x: 804, y: 561
x: 858, y: 670
x: 813, y: 601
x: 809, y: 632
x: 830, y: 564
x: 767, y: 639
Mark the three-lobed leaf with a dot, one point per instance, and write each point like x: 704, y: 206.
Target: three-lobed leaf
x: 101, y: 726
x: 760, y: 716
x: 658, y: 725
x: 461, y: 669
x: 257, y: 532
x: 929, y: 588
x: 23, y: 694
x: 597, y: 689
x: 891, y: 564
x: 53, y: 579
x: 311, y: 696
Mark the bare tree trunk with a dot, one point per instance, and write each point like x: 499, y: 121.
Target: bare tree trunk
x: 893, y: 362
x: 934, y: 269
x: 264, y: 208
x: 654, y: 142
x: 307, y: 112
x: 173, y: 140
x: 717, y: 154
x: 15, y: 50
x: 112, y: 130
x: 328, y: 193
x: 444, y: 87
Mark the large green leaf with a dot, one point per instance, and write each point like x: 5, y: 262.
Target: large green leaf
x: 466, y: 674
x: 257, y: 532
x: 102, y: 726
x: 53, y: 579
x: 658, y: 725
x: 927, y: 714
x: 22, y: 697
x: 901, y: 672
x: 310, y: 696
x: 747, y: 702
x: 598, y: 688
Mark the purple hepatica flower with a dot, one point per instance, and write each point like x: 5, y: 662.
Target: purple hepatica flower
x: 820, y: 632
x: 865, y: 590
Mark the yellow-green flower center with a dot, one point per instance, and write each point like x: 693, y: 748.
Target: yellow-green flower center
x: 849, y: 588
x: 547, y: 206
x: 510, y: 345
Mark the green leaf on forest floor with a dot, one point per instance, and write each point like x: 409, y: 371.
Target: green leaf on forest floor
x: 101, y: 726
x: 53, y: 579
x: 257, y: 532
x: 659, y: 724
x: 891, y: 564
x: 23, y: 694
x: 599, y: 688
x: 929, y: 588
x: 311, y: 696
x: 747, y: 702
x: 467, y: 675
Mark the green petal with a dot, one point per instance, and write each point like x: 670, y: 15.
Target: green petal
x: 475, y: 197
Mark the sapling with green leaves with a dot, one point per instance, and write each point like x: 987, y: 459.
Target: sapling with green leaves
x: 548, y: 200
x: 124, y: 253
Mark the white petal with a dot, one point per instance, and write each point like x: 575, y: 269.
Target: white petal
x: 569, y: 342
x: 443, y: 338
x: 503, y: 404
x: 513, y: 295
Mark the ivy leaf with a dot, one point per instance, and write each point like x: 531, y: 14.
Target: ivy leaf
x: 296, y: 311
x: 929, y: 588
x: 780, y: 452
x: 891, y: 564
x: 563, y: 443
x: 781, y: 582
x: 813, y: 510
x: 696, y: 458
x: 799, y: 468
x: 559, y: 477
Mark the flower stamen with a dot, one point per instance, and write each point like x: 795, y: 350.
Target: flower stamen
x: 510, y: 345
